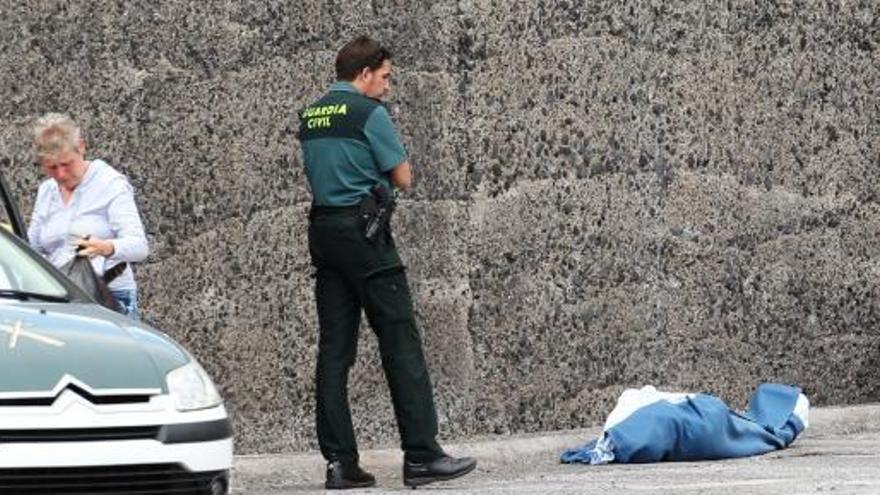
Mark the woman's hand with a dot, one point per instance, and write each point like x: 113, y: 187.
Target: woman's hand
x: 94, y: 247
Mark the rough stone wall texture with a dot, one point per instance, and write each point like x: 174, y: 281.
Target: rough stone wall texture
x: 610, y: 193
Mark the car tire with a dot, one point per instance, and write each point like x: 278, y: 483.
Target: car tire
x: 219, y: 486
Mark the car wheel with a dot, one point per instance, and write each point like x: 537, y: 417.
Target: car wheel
x: 218, y: 486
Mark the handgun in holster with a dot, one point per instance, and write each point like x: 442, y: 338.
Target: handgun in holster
x: 376, y: 211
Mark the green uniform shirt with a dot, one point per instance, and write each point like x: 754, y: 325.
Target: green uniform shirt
x: 349, y: 144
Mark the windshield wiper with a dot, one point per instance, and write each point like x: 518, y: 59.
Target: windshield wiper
x: 27, y: 296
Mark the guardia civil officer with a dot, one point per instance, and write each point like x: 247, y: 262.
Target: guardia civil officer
x: 353, y: 158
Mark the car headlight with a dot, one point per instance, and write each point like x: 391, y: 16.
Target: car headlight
x: 192, y: 388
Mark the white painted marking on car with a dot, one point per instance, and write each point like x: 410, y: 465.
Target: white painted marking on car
x: 17, y: 330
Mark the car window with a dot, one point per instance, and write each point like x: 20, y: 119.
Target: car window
x: 19, y: 271
x: 5, y: 223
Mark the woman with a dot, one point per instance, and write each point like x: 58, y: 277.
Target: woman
x: 85, y: 208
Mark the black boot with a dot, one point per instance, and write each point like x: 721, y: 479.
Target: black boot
x: 347, y: 474
x: 442, y: 469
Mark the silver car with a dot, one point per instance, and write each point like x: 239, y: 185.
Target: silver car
x: 92, y: 401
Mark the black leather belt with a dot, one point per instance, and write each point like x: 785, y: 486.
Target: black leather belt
x: 327, y: 211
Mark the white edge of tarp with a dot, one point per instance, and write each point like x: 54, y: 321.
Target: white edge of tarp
x: 632, y: 399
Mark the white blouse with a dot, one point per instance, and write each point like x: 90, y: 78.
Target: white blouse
x: 103, y: 207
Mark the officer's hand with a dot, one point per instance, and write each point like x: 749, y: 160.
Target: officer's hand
x: 401, y: 176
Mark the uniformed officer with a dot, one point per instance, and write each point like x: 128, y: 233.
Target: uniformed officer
x: 349, y: 146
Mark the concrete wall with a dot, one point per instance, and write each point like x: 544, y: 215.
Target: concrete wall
x: 610, y: 193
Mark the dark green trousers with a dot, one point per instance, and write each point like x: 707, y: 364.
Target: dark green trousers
x: 354, y: 275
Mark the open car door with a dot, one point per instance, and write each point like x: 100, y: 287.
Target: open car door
x: 9, y: 215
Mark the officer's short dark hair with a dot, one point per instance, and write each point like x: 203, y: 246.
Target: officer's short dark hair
x: 358, y: 54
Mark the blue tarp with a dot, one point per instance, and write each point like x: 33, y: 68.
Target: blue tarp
x: 650, y: 426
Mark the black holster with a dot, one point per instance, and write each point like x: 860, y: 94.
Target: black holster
x: 375, y: 211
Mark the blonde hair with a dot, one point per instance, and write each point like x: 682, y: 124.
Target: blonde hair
x: 55, y: 133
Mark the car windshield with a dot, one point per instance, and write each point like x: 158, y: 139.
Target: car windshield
x: 21, y: 273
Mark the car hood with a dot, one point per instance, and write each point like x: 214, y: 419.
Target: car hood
x: 45, y: 347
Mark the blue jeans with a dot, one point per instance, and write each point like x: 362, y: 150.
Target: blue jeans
x: 127, y: 298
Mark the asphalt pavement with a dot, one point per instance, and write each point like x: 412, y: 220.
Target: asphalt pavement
x: 839, y: 453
